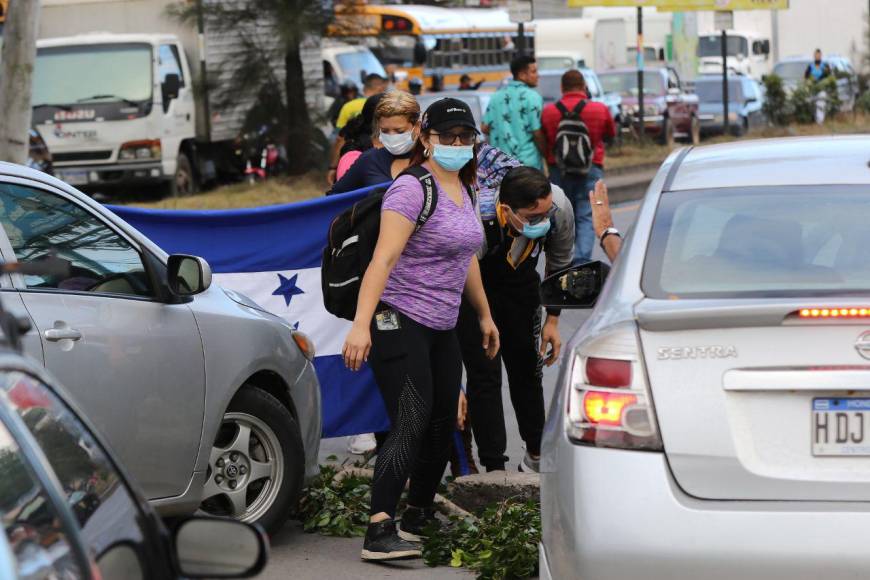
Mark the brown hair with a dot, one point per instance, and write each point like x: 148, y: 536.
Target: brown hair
x: 397, y: 103
x: 573, y: 80
x: 467, y: 175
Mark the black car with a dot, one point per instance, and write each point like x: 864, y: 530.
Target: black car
x: 69, y: 511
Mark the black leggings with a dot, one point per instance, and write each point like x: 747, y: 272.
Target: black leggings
x: 418, y: 371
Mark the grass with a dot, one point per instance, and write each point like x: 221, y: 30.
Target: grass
x: 270, y: 192
x: 631, y: 154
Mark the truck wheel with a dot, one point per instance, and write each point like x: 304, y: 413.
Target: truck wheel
x: 184, y: 182
x: 257, y: 462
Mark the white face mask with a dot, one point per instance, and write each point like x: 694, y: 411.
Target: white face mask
x: 398, y: 143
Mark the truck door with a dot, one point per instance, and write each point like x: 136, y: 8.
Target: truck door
x: 177, y: 93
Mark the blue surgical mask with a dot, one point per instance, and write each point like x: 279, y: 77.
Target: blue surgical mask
x: 452, y: 158
x: 537, y: 230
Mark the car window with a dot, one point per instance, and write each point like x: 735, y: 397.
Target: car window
x: 111, y: 522
x: 39, y: 223
x: 169, y: 63
x: 30, y: 520
x: 673, y: 79
x: 733, y: 243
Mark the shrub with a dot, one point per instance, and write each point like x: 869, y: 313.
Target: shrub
x: 776, y: 102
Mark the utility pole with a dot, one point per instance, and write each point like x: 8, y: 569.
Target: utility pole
x: 725, y: 81
x: 16, y: 78
x: 640, y: 112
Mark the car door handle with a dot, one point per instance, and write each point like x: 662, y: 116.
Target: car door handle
x: 56, y: 334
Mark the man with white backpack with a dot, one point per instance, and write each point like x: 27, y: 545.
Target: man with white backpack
x: 577, y: 129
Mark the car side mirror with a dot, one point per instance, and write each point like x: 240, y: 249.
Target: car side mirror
x: 575, y: 287
x: 219, y: 548
x: 171, y: 87
x: 751, y: 100
x: 188, y: 275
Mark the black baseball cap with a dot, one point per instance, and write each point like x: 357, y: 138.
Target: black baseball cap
x: 445, y: 114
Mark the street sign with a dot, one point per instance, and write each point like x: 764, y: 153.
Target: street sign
x: 520, y: 11
x: 687, y: 5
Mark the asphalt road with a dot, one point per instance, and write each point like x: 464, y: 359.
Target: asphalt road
x: 300, y: 556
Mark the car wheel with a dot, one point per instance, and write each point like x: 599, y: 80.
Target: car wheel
x: 695, y: 131
x: 184, y: 182
x: 257, y: 463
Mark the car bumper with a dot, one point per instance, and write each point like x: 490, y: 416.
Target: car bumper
x: 306, y: 398
x: 115, y: 175
x: 615, y: 514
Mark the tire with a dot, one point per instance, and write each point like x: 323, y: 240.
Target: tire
x: 259, y: 481
x: 184, y: 181
x: 695, y: 131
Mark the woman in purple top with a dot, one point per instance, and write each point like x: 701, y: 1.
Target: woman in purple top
x: 406, y: 314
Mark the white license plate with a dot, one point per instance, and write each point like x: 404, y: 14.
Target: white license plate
x: 841, y: 426
x: 74, y: 177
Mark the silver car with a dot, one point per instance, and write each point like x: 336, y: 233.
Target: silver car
x: 211, y: 402
x: 711, y: 417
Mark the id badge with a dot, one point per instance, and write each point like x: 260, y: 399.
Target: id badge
x: 387, y: 320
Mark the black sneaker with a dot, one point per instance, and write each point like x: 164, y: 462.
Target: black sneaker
x: 383, y: 543
x: 414, y: 523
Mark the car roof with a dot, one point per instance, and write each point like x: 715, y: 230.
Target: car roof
x: 632, y: 70
x: 831, y: 160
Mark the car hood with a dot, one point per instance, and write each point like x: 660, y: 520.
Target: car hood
x: 240, y: 298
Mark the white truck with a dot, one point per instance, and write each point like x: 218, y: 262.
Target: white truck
x: 563, y: 43
x: 657, y: 27
x: 119, y: 98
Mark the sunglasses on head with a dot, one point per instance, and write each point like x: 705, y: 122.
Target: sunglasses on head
x: 465, y: 137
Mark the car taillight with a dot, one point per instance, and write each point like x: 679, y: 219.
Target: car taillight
x: 609, y: 404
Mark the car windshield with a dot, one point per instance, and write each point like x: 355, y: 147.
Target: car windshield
x: 649, y: 53
x: 554, y: 62
x: 762, y: 241
x: 710, y: 90
x: 356, y: 65
x: 67, y: 75
x: 711, y: 45
x: 791, y: 71
x: 625, y: 83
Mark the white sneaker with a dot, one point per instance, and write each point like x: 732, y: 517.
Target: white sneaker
x: 361, y: 444
x: 530, y: 464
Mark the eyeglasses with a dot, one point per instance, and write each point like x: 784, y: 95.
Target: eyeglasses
x: 466, y: 137
x: 533, y: 220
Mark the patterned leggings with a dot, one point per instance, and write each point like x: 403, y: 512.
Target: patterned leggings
x: 418, y: 371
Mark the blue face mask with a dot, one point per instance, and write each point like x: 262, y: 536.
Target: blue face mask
x: 452, y: 158
x: 537, y: 230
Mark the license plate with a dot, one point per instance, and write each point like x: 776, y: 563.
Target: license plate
x: 841, y: 426
x: 74, y: 177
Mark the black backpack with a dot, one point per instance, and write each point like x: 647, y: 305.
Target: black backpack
x: 573, y: 149
x: 351, y: 244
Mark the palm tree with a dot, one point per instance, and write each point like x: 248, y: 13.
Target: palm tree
x: 268, y: 31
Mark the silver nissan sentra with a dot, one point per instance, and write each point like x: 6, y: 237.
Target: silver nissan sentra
x: 712, y: 417
x: 211, y: 402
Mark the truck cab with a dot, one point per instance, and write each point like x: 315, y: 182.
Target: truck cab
x: 117, y: 111
x: 747, y: 54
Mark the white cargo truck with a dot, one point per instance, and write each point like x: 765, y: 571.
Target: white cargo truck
x: 563, y: 43
x: 119, y: 99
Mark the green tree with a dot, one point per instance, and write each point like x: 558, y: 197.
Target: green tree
x: 775, y: 102
x: 268, y: 31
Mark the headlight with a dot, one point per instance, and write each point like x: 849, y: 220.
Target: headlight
x: 141, y: 150
x: 305, y: 344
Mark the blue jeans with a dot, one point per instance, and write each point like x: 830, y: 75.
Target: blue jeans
x: 577, y: 190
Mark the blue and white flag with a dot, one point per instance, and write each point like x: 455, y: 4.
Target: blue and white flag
x: 273, y: 254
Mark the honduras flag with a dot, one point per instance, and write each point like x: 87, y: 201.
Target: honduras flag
x: 272, y: 254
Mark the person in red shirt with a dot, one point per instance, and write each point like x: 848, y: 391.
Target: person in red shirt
x: 602, y: 130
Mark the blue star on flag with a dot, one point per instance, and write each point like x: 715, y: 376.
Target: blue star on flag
x: 288, y: 288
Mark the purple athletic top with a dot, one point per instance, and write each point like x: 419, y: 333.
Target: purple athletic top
x: 427, y: 282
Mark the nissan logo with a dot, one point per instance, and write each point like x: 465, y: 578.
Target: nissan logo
x: 862, y: 345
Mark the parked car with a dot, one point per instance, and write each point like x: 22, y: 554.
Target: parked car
x: 709, y: 419
x: 745, y: 104
x: 550, y: 87
x: 792, y: 70
x: 478, y: 101
x: 53, y: 463
x: 210, y: 401
x: 670, y: 112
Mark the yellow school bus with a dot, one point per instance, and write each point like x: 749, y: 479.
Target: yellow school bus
x: 433, y: 43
